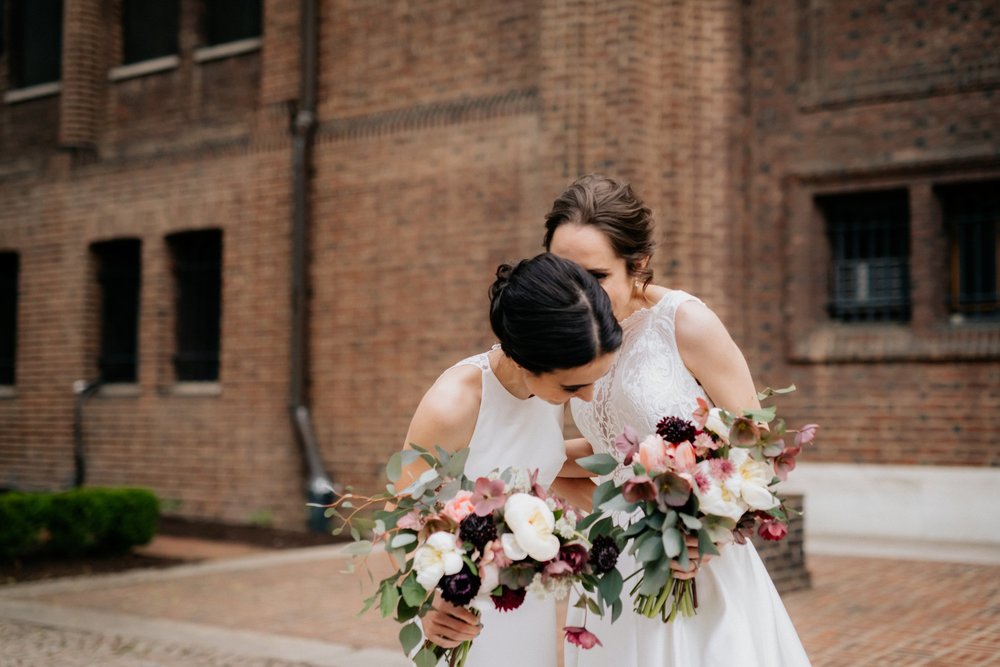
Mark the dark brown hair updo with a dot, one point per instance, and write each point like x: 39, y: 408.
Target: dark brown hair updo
x: 550, y: 314
x: 613, y: 208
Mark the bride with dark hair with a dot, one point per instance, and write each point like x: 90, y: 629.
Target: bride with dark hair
x: 557, y: 336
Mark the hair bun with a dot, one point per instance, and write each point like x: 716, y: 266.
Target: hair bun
x: 504, y: 272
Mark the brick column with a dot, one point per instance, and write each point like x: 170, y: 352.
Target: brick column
x: 83, y: 75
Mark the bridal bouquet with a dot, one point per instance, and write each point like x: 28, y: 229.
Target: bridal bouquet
x: 488, y: 541
x: 712, y: 478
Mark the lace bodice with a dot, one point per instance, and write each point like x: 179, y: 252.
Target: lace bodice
x: 647, y: 382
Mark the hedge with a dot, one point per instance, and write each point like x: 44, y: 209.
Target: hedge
x: 78, y: 522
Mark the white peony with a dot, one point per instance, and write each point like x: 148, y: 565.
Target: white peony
x: 717, y: 496
x: 441, y: 554
x: 531, y: 523
x: 754, y: 478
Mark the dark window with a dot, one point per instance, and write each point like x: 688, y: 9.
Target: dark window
x: 35, y: 41
x: 231, y: 20
x: 119, y: 276
x: 197, y: 264
x: 149, y: 29
x: 870, y: 249
x: 8, y: 316
x: 972, y: 218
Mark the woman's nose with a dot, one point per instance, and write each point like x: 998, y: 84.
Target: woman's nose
x: 585, y: 393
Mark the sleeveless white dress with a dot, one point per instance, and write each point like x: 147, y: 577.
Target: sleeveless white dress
x: 528, y: 434
x: 740, y: 619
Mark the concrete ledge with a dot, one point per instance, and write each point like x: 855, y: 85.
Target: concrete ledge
x: 922, y: 510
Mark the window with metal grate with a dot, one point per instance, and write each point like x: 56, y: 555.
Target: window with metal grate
x: 971, y: 213
x: 869, y: 241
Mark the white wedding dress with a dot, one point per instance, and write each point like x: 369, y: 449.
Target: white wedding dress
x: 740, y: 621
x: 526, y: 434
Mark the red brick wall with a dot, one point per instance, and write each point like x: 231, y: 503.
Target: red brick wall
x: 445, y: 130
x: 860, y: 95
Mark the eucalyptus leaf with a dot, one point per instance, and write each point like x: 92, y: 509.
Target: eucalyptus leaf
x: 610, y: 586
x: 602, y: 527
x: 705, y: 544
x: 390, y: 597
x: 405, y: 611
x: 694, y: 523
x: 394, y: 468
x: 616, y: 610
x: 767, y: 392
x: 409, y: 637
x: 654, y: 577
x: 638, y: 527
x: 651, y: 549
x: 673, y: 542
x: 670, y: 519
x: 359, y: 548
x: 761, y: 414
x: 456, y: 464
x: 603, y: 492
x: 592, y: 606
x: 618, y: 504
x: 599, y: 464
x: 425, y: 657
x: 401, y: 539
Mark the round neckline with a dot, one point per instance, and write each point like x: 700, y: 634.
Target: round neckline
x: 641, y: 313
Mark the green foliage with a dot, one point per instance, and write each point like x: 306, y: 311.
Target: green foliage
x: 73, y: 523
x: 22, y: 523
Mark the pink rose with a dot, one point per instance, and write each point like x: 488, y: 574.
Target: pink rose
x: 653, y: 454
x: 682, y: 457
x: 459, y: 507
x: 581, y: 637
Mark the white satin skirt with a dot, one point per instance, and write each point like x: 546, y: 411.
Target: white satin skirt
x: 740, y: 622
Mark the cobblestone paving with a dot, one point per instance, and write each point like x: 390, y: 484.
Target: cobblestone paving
x: 861, y: 612
x: 875, y: 612
x: 29, y: 645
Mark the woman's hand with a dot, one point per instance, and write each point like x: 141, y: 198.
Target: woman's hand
x: 694, y: 561
x: 448, y: 626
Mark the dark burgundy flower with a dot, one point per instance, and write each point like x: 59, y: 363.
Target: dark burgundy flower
x: 459, y: 588
x: 478, y: 530
x: 676, y: 430
x: 509, y: 598
x: 574, y: 555
x: 582, y: 637
x: 603, y: 554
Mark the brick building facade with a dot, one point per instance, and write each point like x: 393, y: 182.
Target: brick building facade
x: 444, y: 130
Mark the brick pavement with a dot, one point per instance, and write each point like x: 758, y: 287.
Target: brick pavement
x: 297, y: 608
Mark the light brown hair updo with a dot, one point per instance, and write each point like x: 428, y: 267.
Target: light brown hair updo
x: 613, y: 208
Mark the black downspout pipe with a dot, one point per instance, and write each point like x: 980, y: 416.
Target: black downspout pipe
x: 318, y: 488
x: 83, y: 389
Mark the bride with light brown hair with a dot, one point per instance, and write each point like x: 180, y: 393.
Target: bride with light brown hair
x: 675, y: 350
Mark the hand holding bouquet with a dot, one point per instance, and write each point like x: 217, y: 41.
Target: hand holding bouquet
x: 711, y: 479
x: 490, y: 541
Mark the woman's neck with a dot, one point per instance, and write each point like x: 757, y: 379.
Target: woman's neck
x: 509, y: 374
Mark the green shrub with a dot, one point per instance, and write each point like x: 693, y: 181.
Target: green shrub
x: 89, y: 520
x: 23, y: 518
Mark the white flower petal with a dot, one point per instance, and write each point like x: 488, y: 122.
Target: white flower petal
x: 511, y: 548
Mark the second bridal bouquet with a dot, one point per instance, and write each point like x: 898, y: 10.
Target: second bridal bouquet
x: 488, y: 541
x: 712, y: 478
